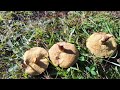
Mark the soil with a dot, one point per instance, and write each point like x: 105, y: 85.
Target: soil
x: 115, y: 13
x: 64, y: 13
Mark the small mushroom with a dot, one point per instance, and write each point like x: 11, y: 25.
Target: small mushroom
x: 101, y: 44
x: 35, y: 60
x: 63, y: 54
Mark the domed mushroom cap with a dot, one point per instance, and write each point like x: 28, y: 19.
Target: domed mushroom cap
x: 101, y: 44
x: 35, y: 60
x: 63, y: 54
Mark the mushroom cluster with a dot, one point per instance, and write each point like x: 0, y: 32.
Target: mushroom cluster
x: 35, y: 60
x: 101, y: 44
x: 63, y: 54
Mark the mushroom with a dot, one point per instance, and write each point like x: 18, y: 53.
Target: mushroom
x: 63, y: 54
x: 101, y: 44
x: 35, y: 60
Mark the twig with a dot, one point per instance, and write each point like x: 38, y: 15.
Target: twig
x: 113, y: 63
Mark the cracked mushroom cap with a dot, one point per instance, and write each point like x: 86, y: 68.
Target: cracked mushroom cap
x: 35, y: 60
x: 101, y: 44
x: 63, y: 54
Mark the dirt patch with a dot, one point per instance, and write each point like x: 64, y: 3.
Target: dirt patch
x: 115, y: 13
x: 39, y: 14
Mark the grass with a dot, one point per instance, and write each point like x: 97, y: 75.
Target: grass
x: 21, y: 30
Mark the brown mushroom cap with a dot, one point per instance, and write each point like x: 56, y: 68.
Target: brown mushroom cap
x: 36, y: 60
x: 30, y: 71
x: 63, y: 54
x: 101, y: 44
